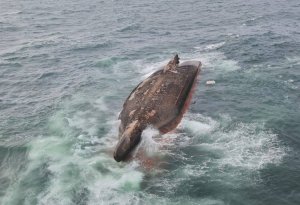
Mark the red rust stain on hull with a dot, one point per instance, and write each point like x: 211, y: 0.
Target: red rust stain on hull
x: 172, y: 125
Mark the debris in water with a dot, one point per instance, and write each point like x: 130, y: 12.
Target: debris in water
x: 210, y: 82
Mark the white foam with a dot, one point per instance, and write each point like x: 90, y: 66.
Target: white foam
x: 207, y: 55
x: 100, y: 104
x: 290, y: 84
x: 77, y: 159
x: 12, y: 12
x: 212, y: 60
x: 197, y: 127
x: 293, y: 59
x: 247, y: 149
x: 242, y: 147
x: 247, y: 146
x: 72, y: 171
x: 148, y: 143
x: 218, y: 61
x: 209, y: 47
x: 214, y: 46
x: 147, y: 69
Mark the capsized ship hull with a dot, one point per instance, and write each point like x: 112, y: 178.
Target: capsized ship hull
x: 160, y: 101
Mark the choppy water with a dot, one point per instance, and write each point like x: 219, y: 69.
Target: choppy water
x: 67, y: 66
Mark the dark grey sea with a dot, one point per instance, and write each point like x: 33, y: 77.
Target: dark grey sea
x: 67, y: 66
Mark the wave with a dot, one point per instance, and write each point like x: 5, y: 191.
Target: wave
x: 72, y: 162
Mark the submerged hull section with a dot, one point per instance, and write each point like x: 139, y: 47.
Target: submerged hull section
x: 159, y: 101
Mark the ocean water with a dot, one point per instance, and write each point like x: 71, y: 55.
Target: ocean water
x: 66, y: 68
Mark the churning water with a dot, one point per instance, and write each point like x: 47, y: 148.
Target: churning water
x: 66, y: 68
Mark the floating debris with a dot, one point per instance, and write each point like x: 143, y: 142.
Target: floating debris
x: 210, y: 82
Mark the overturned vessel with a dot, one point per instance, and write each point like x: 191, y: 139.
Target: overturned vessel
x: 160, y: 101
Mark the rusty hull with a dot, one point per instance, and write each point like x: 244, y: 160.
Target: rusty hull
x: 160, y: 101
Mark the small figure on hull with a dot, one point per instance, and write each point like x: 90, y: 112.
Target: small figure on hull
x: 172, y: 65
